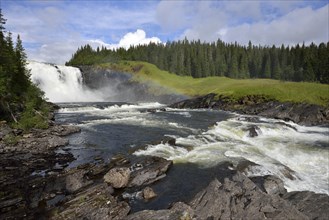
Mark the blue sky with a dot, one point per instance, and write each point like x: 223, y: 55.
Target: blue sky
x: 52, y: 30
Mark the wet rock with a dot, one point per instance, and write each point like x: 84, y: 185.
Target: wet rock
x: 153, y: 169
x: 95, y: 202
x: 240, y: 198
x: 148, y: 193
x: 313, y: 205
x: 179, y: 211
x: 253, y: 131
x: 270, y: 184
x: 245, y: 165
x: 118, y: 177
x: 300, y: 113
x: 119, y: 160
x: 64, y: 130
x: 56, y: 141
x: 76, y: 181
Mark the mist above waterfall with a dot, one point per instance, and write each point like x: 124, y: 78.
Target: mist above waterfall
x: 69, y: 84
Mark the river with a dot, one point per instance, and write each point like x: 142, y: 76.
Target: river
x: 205, y: 140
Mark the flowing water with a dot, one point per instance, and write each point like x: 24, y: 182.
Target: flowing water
x: 205, y: 139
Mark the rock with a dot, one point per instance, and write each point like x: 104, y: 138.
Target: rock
x: 4, y: 130
x: 148, y: 193
x: 270, y: 184
x: 301, y: 113
x: 313, y: 205
x: 76, y: 181
x: 179, y: 211
x: 95, y: 202
x: 119, y: 160
x: 64, y: 130
x: 240, y: 198
x: 152, y: 169
x: 253, y: 131
x: 118, y: 177
x: 56, y: 141
x: 245, y: 165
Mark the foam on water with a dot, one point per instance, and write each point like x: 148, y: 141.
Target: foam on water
x: 297, y: 154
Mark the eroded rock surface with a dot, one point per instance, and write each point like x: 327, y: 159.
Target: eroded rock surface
x: 300, y: 113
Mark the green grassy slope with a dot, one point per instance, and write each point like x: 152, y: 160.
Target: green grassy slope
x: 313, y: 93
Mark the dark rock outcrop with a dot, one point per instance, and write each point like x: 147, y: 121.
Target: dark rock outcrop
x: 300, y: 113
x: 118, y: 177
x: 236, y: 198
x: 179, y: 211
x: 94, y: 203
x: 240, y: 198
x: 29, y: 166
x: 121, y: 88
x: 148, y: 171
x: 313, y: 205
x: 270, y: 184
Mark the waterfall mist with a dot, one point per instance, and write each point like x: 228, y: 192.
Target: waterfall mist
x: 69, y: 84
x: 62, y: 83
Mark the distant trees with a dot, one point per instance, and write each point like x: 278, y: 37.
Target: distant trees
x: 197, y: 59
x: 21, y: 101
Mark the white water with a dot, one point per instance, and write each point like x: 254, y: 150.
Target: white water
x: 300, y: 158
x: 61, y: 83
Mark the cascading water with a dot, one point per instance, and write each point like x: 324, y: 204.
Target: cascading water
x: 61, y: 83
x: 298, y: 155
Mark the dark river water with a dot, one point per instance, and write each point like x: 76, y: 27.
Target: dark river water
x: 205, y: 140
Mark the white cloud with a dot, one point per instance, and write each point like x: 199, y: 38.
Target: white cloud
x: 61, y: 51
x: 301, y: 25
x: 262, y: 22
x: 136, y: 38
x: 52, y: 30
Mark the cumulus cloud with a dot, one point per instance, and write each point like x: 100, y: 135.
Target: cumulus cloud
x: 262, y: 22
x: 52, y: 30
x: 135, y: 38
x: 300, y: 25
x: 61, y: 51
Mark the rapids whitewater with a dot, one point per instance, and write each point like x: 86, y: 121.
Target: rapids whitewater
x: 297, y: 154
x: 205, y: 139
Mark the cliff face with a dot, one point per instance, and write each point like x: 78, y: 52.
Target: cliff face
x: 119, y: 86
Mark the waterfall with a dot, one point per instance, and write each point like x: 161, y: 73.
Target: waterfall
x: 62, y: 83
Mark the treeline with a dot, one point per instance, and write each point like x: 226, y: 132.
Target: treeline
x: 21, y: 102
x: 197, y: 59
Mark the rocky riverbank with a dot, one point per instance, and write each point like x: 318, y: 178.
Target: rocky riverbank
x: 35, y: 184
x: 28, y: 161
x: 300, y: 113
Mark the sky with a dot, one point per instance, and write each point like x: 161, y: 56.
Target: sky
x: 53, y: 30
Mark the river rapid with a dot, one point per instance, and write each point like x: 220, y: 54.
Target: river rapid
x: 205, y: 140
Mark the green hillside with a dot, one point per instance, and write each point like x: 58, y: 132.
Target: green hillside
x: 313, y: 93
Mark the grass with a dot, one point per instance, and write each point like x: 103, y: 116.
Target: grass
x: 163, y: 82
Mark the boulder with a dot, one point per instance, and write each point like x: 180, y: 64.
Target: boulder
x: 76, y: 181
x: 55, y: 141
x: 150, y: 170
x: 95, y: 202
x: 179, y: 211
x: 240, y: 198
x: 148, y: 193
x: 118, y: 177
x: 253, y: 131
x: 270, y: 184
x: 313, y: 205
